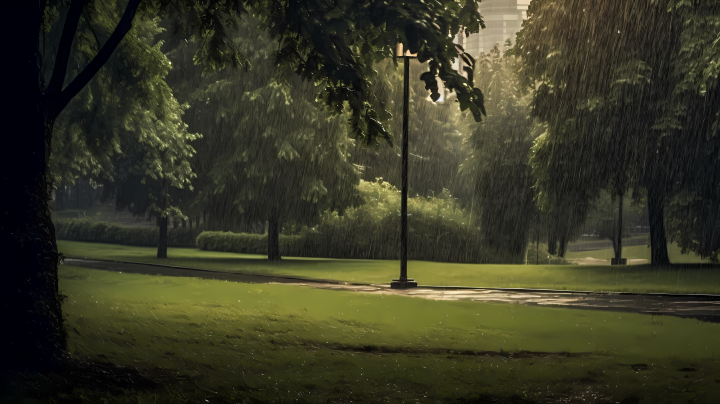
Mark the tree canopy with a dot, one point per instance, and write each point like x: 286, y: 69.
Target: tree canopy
x: 604, y: 77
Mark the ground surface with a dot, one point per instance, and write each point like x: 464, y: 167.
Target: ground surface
x: 703, y: 307
x: 212, y: 341
x: 638, y: 254
x: 635, y: 278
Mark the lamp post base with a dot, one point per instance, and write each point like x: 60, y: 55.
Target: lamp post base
x: 403, y: 284
x: 614, y: 261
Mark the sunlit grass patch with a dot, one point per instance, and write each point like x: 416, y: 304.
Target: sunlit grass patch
x: 270, y: 343
x: 636, y: 278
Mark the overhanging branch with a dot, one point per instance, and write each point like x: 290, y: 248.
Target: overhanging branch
x: 123, y: 27
x: 65, y: 47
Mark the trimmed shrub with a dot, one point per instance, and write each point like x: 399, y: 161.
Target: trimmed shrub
x: 246, y: 243
x: 103, y: 232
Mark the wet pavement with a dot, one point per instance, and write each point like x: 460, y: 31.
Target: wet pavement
x: 701, y: 307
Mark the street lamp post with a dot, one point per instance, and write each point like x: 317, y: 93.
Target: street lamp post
x: 404, y: 282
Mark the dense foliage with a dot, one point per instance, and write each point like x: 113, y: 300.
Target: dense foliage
x: 436, y: 132
x: 606, y: 89
x: 496, y: 173
x: 438, y: 231
x: 271, y: 151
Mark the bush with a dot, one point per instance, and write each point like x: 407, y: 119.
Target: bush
x: 438, y: 231
x: 103, y: 232
x: 245, y: 243
x: 544, y: 256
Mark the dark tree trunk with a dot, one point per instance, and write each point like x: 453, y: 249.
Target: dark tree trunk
x: 205, y: 223
x: 617, y: 244
x: 34, y: 338
x: 190, y: 220
x: 197, y: 222
x: 176, y: 223
x: 184, y: 224
x: 562, y: 244
x: 658, y: 242
x: 60, y: 198
x: 273, y: 237
x: 31, y: 303
x: 552, y: 243
x: 77, y: 194
x: 162, y: 238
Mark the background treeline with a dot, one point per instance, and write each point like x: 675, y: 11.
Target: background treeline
x: 571, y: 144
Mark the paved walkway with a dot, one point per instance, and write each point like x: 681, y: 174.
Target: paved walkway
x: 701, y: 307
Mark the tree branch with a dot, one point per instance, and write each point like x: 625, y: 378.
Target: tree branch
x: 123, y: 27
x: 65, y: 46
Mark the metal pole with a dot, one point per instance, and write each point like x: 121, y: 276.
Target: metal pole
x: 404, y: 192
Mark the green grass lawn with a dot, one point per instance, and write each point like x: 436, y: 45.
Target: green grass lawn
x: 233, y: 342
x: 637, y: 278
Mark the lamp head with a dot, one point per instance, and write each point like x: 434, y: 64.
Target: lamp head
x: 401, y: 53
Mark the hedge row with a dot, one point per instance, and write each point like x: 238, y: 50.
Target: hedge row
x: 451, y: 248
x: 247, y: 243
x: 103, y: 232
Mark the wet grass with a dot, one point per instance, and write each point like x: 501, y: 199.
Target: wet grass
x: 232, y: 342
x: 636, y: 278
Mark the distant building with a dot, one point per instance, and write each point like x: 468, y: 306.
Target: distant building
x: 503, y: 19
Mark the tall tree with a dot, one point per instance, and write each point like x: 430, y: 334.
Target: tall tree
x: 690, y: 127
x: 329, y: 44
x: 124, y: 130
x: 284, y: 158
x: 497, y: 171
x: 601, y: 70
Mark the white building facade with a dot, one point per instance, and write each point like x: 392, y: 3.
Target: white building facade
x: 503, y: 19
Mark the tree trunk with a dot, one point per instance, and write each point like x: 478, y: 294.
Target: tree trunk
x: 162, y: 238
x: 31, y: 303
x: 77, y: 194
x: 184, y: 224
x: 176, y: 223
x: 60, y: 198
x: 190, y: 220
x: 273, y: 237
x: 197, y: 222
x: 562, y: 244
x: 552, y: 243
x: 34, y: 338
x: 658, y: 242
x: 617, y: 244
